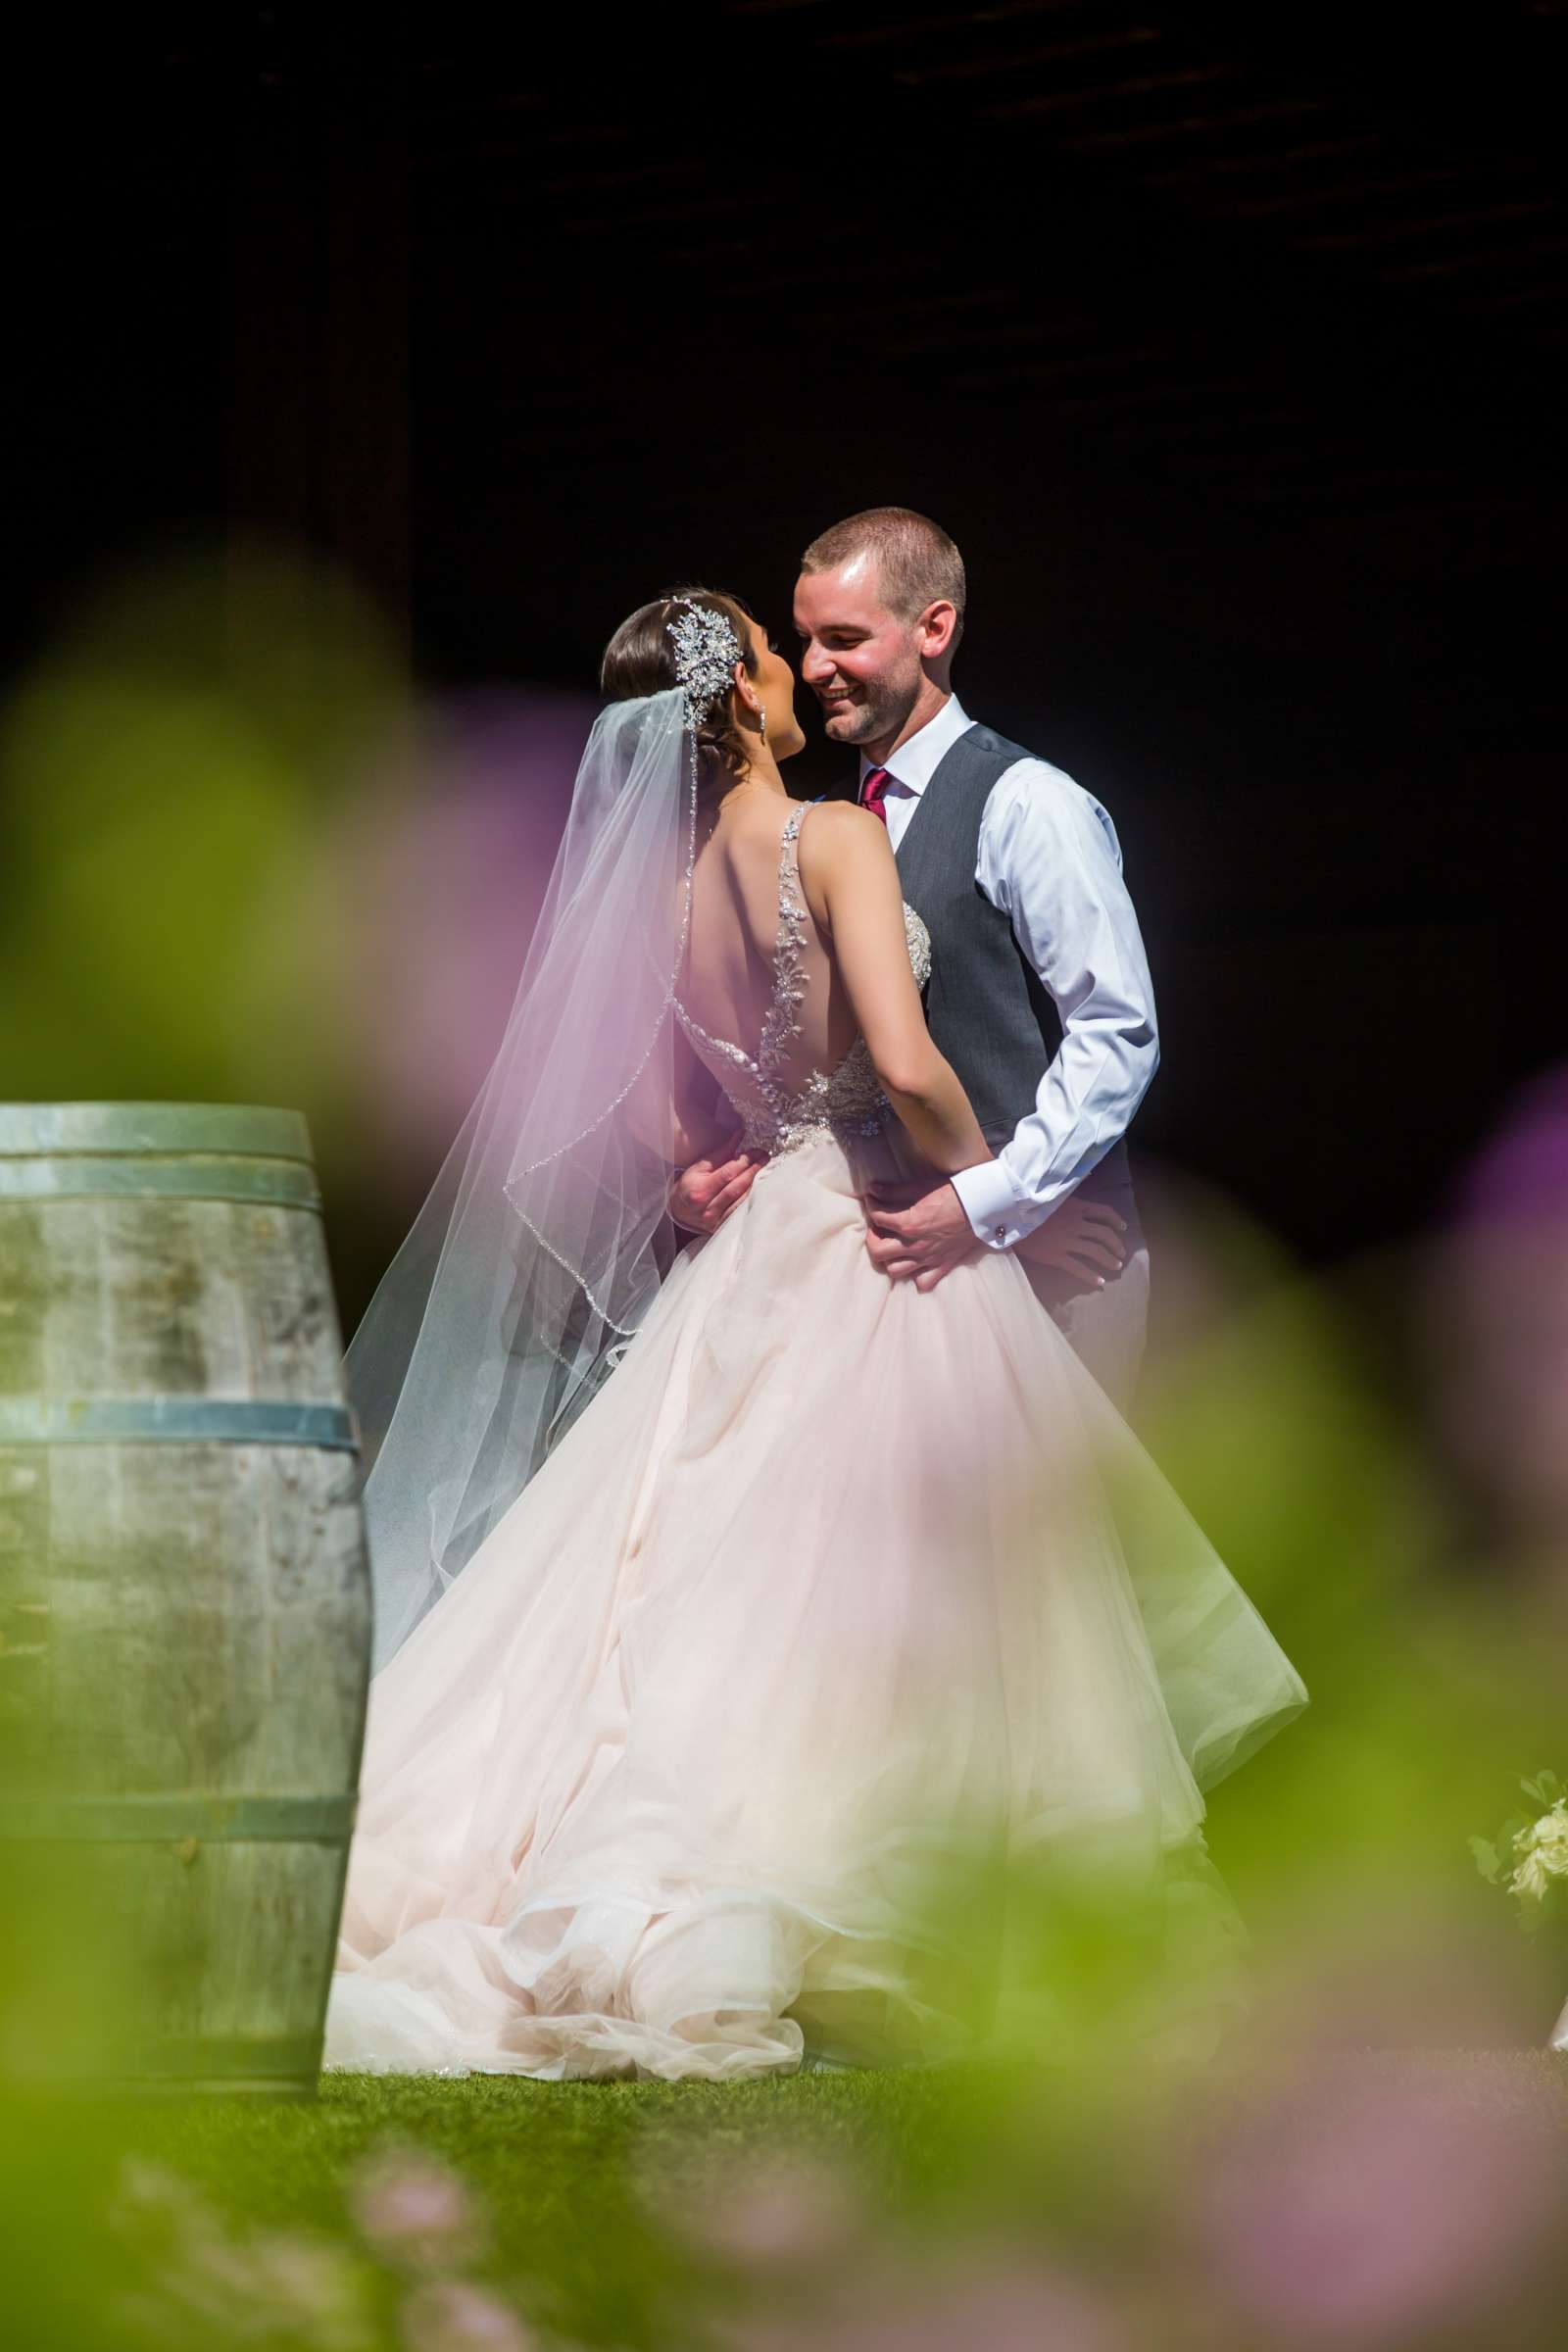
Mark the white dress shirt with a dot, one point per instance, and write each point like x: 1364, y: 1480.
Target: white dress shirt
x: 1049, y: 860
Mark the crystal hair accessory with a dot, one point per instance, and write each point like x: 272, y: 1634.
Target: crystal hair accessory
x: 707, y: 650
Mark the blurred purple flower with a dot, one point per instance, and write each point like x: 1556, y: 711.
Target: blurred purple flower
x: 773, y: 2212
x: 1364, y: 2205
x: 415, y: 2211
x: 202, y: 2283
x: 1498, y: 1315
x: 1007, y: 2302
x: 1521, y: 1172
x: 440, y: 887
x: 449, y: 2315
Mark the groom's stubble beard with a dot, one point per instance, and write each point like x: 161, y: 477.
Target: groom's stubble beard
x: 879, y: 718
x: 855, y: 722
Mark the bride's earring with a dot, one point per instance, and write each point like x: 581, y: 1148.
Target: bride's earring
x: 761, y: 722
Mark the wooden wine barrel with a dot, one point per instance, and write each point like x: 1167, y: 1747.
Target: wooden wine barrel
x: 184, y: 1596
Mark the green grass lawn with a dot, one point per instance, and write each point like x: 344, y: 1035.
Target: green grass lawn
x: 571, y: 2173
x: 575, y: 2176
x: 586, y: 2188
x: 617, y: 2213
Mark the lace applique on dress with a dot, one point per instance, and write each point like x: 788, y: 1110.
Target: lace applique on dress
x: 781, y: 1024
x: 846, y: 1100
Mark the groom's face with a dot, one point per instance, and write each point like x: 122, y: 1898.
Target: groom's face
x: 860, y: 660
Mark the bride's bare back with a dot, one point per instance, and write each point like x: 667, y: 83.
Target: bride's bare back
x: 800, y: 992
x: 737, y: 907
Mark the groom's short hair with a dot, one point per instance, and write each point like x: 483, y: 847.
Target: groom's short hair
x: 916, y: 562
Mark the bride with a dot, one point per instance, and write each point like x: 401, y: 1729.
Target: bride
x: 714, y: 1591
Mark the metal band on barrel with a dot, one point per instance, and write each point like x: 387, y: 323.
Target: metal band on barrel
x: 177, y: 1820
x: 248, y: 1129
x: 90, y: 1176
x: 272, y: 2063
x: 174, y: 1420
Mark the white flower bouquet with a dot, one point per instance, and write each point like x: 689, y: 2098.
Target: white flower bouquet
x: 1529, y: 1856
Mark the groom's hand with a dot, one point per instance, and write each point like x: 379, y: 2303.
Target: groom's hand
x: 704, y: 1194
x: 921, y: 1243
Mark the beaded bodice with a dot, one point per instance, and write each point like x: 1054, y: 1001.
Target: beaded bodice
x: 846, y: 1100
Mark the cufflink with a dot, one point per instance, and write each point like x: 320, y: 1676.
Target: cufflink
x: 999, y: 1233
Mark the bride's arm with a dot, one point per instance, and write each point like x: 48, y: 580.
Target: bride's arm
x: 690, y: 1121
x: 705, y: 1119
x: 849, y: 866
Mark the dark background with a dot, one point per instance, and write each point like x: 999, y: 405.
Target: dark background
x: 1227, y: 342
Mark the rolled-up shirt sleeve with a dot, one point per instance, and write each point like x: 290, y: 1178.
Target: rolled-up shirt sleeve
x: 1049, y: 860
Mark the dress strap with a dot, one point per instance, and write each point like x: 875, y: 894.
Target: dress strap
x: 789, y: 853
x: 783, y: 1022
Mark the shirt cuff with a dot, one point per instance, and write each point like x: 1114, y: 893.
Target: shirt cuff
x: 993, y: 1208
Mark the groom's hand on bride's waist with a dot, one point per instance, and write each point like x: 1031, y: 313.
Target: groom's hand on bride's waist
x: 917, y: 1237
x: 921, y: 1236
x: 704, y: 1194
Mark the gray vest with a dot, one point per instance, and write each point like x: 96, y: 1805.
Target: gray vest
x: 986, y: 1008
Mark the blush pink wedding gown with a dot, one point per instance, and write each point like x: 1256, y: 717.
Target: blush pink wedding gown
x: 829, y: 1569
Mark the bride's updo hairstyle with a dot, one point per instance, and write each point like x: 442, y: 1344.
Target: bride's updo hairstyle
x: 640, y: 659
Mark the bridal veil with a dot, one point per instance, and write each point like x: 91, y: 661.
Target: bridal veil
x: 536, y: 1257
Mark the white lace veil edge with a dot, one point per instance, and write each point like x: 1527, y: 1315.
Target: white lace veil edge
x: 544, y: 1240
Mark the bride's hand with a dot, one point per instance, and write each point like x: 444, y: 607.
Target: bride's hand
x: 1081, y: 1237
x: 704, y: 1194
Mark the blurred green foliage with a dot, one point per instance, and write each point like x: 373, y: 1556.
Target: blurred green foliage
x: 168, y: 774
x: 167, y: 777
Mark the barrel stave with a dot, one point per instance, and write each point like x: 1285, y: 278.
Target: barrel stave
x: 209, y: 1608
x: 185, y: 1619
x: 165, y: 1297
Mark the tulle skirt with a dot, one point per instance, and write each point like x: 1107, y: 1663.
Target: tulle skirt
x: 832, y: 1574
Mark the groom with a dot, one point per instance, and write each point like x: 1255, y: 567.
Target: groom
x: 1040, y: 995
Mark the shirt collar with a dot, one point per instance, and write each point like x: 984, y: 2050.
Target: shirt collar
x: 915, y: 762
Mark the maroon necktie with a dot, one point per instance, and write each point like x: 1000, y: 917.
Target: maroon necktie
x: 875, y: 791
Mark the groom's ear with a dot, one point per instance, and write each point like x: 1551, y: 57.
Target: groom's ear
x: 938, y: 628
